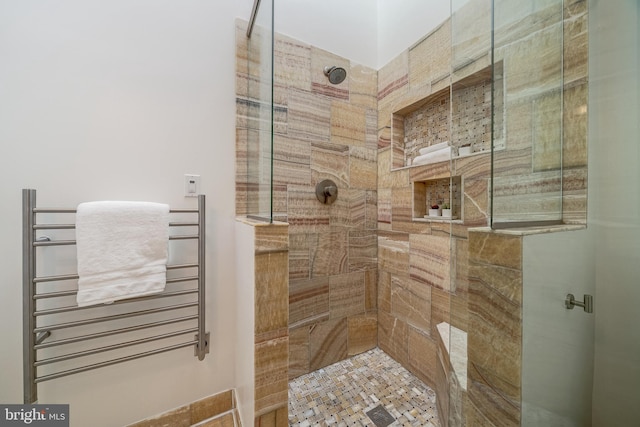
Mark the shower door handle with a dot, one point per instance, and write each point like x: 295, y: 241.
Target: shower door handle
x: 587, y: 304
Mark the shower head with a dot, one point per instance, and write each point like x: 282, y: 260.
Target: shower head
x: 335, y: 74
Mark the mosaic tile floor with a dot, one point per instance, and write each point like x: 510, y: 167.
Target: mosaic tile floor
x: 341, y: 394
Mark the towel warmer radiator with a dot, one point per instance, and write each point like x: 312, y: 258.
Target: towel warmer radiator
x: 57, y: 334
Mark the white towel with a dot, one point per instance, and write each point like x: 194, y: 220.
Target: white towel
x: 441, y: 155
x: 434, y: 147
x: 122, y: 250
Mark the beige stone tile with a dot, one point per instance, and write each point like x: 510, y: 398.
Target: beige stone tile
x: 304, y: 213
x: 329, y: 254
x: 363, y: 333
x: 371, y: 210
x: 363, y: 168
x: 309, y: 116
x: 495, y: 340
x: 271, y: 374
x: 430, y: 59
x: 393, y: 75
x: 211, y: 406
x: 411, y: 302
x: 292, y: 63
x: 506, y: 282
x: 393, y: 252
x: 180, y: 417
x: 226, y: 420
x: 393, y: 337
x: 308, y: 301
x: 422, y: 356
x: 440, y: 308
x: 486, y: 405
x: 575, y: 123
x: 363, y: 85
x: 547, y: 132
x: 299, y: 256
x: 330, y: 161
x: 298, y: 351
x: 371, y: 290
x: 348, y: 123
x: 574, y: 196
x: 384, y: 292
x: 363, y: 250
x: 384, y: 208
x: 371, y: 129
x: 271, y: 237
x: 576, y: 38
x: 346, y: 295
x: 272, y: 287
x: 496, y: 249
x: 429, y: 260
x: 536, y: 196
x: 275, y: 418
x: 327, y: 343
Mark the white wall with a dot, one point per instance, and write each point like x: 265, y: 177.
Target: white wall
x: 117, y: 100
x: 346, y: 28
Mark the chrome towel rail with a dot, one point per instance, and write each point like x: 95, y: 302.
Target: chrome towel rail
x: 66, y: 339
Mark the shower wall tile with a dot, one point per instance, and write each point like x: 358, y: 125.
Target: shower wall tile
x: 292, y: 63
x: 329, y: 256
x: 330, y: 161
x: 285, y: 173
x: 304, y: 213
x: 393, y: 337
x: 272, y: 238
x: 309, y: 116
x: 495, y: 325
x: 411, y: 302
x: 384, y: 291
x: 320, y: 84
x: 298, y: 351
x: 271, y: 378
x: 348, y: 123
x: 371, y: 210
x: 430, y: 60
x: 327, y: 343
x: 363, y: 169
x: 574, y: 140
x: 384, y: 209
x: 393, y: 252
x: 576, y: 38
x: 346, y: 295
x: 371, y: 290
x: 574, y: 196
x: 276, y: 418
x: 363, y: 87
x: 363, y: 333
x: 422, y: 355
x: 534, y: 62
x: 440, y: 308
x: 271, y: 270
x: 292, y: 150
x: 429, y: 260
x: 547, y: 135
x: 363, y: 250
x: 371, y: 129
x: 393, y: 75
x: 308, y: 301
x: 529, y: 197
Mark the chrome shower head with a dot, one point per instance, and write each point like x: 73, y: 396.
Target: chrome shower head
x: 335, y: 74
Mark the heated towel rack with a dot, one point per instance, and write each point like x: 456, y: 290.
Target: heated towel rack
x: 61, y: 339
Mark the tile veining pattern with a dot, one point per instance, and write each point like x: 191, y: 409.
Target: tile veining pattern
x: 341, y: 394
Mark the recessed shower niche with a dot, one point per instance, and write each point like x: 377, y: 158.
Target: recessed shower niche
x: 442, y: 192
x: 421, y: 133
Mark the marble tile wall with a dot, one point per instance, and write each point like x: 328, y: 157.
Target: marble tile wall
x: 324, y: 131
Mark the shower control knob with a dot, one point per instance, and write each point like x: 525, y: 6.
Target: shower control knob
x: 326, y: 192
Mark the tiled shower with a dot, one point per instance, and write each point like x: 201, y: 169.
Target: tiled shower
x: 372, y: 269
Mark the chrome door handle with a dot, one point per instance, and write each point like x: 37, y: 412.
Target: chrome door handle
x: 587, y: 304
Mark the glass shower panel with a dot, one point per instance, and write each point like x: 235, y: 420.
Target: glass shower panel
x: 470, y: 130
x: 260, y: 115
x: 527, y: 113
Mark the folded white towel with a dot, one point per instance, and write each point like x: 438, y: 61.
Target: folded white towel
x: 434, y: 147
x: 122, y: 250
x: 433, y: 157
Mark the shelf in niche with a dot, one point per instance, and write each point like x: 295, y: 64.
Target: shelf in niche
x: 437, y: 191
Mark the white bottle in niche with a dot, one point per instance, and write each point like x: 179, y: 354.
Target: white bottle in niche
x: 434, y: 210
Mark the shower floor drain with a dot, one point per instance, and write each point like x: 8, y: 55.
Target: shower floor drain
x: 380, y: 416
